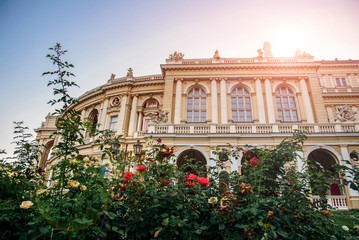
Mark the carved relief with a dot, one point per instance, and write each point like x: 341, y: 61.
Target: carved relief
x: 176, y: 56
x: 115, y: 101
x: 344, y: 114
x: 160, y: 117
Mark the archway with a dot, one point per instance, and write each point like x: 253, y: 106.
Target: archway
x: 196, y: 157
x: 46, y: 154
x: 326, y: 159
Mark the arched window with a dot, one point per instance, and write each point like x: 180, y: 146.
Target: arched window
x: 286, y: 106
x: 241, y: 105
x: 93, y: 119
x: 196, y: 105
x: 149, y: 108
x: 196, y: 158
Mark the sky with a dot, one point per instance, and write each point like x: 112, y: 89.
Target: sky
x: 104, y: 37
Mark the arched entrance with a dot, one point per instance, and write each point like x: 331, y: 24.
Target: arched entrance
x: 196, y: 157
x: 326, y: 159
x: 46, y: 154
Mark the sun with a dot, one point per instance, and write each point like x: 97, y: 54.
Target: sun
x: 286, y: 41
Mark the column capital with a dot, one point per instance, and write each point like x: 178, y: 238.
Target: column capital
x: 267, y: 78
x: 134, y: 95
x: 223, y: 79
x: 258, y: 78
x: 179, y: 79
x: 213, y: 79
x: 303, y: 77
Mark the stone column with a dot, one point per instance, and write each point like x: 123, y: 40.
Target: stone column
x: 224, y: 113
x: 350, y: 81
x: 139, y: 123
x: 214, y: 100
x: 133, y: 116
x: 260, y: 102
x: 357, y: 77
x: 103, y: 114
x: 332, y: 80
x: 269, y: 99
x: 178, y: 103
x: 121, y: 115
x: 306, y: 100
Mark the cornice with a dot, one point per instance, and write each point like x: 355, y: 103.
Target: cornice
x: 258, y: 66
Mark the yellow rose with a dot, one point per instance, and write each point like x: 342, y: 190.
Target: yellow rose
x: 73, y: 183
x: 41, y: 191
x: 212, y: 200
x: 83, y: 188
x: 26, y: 204
x: 86, y: 160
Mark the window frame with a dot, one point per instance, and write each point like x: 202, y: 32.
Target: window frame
x: 198, y: 106
x: 290, y: 94
x: 244, y: 95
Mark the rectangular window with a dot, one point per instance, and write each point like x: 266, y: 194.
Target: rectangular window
x: 341, y: 82
x: 113, y: 123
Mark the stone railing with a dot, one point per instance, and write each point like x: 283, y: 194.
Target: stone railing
x: 354, y: 90
x: 189, y: 128
x: 336, y: 201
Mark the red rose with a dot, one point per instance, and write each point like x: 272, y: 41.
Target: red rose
x: 227, y: 192
x: 128, y: 176
x: 204, y: 182
x: 167, y: 153
x: 254, y: 161
x: 192, y: 184
x: 159, y: 140
x: 191, y: 177
x: 187, y: 184
x: 246, y: 153
x: 141, y: 167
x: 122, y: 186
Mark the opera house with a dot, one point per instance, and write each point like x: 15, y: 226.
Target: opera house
x: 195, y: 105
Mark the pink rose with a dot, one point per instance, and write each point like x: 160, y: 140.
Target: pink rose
x: 203, y: 181
x: 191, y: 177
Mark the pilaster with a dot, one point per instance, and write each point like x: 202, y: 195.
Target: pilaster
x: 260, y: 102
x: 306, y: 100
x: 214, y: 99
x: 224, y: 112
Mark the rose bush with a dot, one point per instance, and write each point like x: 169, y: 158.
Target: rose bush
x: 91, y: 198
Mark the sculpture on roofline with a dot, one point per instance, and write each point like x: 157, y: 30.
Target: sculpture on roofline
x: 113, y: 76
x: 176, y: 56
x: 260, y: 53
x: 129, y: 72
x: 300, y: 54
x: 216, y: 55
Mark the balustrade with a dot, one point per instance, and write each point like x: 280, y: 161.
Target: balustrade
x: 247, y: 128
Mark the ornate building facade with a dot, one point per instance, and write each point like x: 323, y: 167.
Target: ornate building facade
x: 195, y: 105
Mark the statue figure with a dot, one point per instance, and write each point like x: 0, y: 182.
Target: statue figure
x: 176, y: 56
x: 129, y: 72
x: 113, y: 76
x: 260, y: 53
x: 343, y: 114
x: 300, y: 54
x: 216, y: 55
